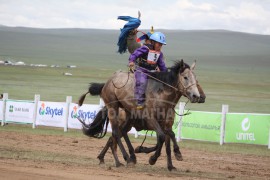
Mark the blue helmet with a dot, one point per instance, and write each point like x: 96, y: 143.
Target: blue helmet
x: 158, y: 37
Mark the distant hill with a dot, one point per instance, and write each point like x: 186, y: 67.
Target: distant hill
x: 97, y: 47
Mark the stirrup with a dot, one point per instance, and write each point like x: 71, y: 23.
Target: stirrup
x: 139, y: 107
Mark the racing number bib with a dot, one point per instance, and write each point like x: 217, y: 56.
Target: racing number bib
x: 153, y: 57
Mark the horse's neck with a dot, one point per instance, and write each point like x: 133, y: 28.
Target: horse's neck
x: 162, y: 92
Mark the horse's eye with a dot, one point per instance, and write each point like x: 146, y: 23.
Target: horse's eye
x: 185, y: 78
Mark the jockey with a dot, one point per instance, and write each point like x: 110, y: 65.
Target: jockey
x: 148, y: 57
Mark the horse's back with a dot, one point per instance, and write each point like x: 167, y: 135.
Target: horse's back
x: 119, y: 87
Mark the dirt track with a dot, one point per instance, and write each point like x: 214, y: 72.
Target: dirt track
x: 31, y: 156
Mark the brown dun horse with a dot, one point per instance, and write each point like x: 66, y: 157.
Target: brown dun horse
x: 158, y: 114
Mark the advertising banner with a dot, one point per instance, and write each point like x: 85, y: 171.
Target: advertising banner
x: 51, y: 114
x: 87, y: 113
x: 19, y: 111
x: 247, y: 128
x: 201, y: 126
x: 1, y: 110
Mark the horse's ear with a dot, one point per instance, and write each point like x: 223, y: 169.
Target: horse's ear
x: 193, y: 65
x: 182, y: 64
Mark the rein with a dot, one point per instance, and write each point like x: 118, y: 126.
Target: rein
x: 158, y: 80
x: 185, y: 114
x: 184, y: 90
x: 124, y: 84
x: 181, y: 90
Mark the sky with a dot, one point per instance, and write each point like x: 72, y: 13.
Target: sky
x: 251, y: 16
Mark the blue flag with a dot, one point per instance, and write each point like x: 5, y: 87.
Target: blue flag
x: 132, y: 24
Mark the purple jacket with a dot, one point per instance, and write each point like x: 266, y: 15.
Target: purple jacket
x: 142, y: 51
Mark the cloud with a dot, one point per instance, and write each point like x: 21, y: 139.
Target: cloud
x: 243, y: 15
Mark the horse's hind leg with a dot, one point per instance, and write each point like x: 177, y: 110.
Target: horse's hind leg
x: 168, y: 152
x: 114, y: 152
x: 176, y: 149
x: 131, y: 149
x: 110, y: 144
x: 104, y: 151
x: 113, y: 117
x: 142, y: 149
x: 160, y: 142
x: 125, y: 129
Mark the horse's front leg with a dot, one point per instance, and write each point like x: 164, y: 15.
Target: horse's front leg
x: 176, y: 149
x: 168, y: 152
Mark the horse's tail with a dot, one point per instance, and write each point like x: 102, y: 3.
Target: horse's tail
x: 94, y: 89
x: 80, y: 102
x: 98, y: 128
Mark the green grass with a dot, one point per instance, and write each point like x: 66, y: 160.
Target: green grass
x: 232, y: 67
x: 242, y: 91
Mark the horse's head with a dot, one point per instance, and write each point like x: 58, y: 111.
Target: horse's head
x: 187, y: 82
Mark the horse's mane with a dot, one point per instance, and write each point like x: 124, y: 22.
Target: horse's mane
x: 171, y: 75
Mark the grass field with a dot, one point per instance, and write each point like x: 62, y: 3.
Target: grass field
x: 242, y: 91
x: 233, y: 68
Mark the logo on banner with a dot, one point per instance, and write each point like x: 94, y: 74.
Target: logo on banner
x: 74, y: 112
x: 245, y: 125
x: 11, y: 108
x: 43, y: 110
x: 88, y: 115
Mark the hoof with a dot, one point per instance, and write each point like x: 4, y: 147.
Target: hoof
x: 178, y: 156
x: 101, y: 161
x: 171, y: 168
x: 152, y: 161
x: 118, y: 164
x: 138, y: 149
x: 133, y: 159
x: 130, y: 164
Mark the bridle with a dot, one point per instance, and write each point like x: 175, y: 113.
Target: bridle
x: 182, y: 90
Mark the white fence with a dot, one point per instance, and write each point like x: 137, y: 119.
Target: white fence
x: 222, y: 127
x: 45, y: 113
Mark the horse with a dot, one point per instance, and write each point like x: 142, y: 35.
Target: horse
x: 139, y: 126
x: 89, y: 131
x: 158, y: 115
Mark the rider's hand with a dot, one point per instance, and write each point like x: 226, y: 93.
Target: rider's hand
x: 131, y: 66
